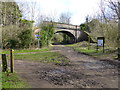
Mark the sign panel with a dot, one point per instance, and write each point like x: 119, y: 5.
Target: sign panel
x: 38, y: 36
x: 100, y: 43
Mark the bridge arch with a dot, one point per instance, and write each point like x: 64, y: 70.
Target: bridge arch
x: 73, y: 38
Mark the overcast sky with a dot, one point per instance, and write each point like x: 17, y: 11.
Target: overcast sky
x: 79, y: 9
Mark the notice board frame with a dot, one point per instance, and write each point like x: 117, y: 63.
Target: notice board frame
x: 100, y: 42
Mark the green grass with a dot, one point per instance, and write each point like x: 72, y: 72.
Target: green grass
x: 42, y: 55
x: 83, y: 48
x: 12, y: 80
x: 47, y: 57
x: 0, y: 80
x: 25, y: 50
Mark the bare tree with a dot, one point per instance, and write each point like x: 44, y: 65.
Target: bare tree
x: 119, y: 30
x: 114, y: 6
x: 106, y: 23
x: 109, y: 10
x: 29, y: 10
x: 43, y: 18
x: 65, y: 17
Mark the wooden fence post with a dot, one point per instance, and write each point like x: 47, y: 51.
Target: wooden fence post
x: 11, y: 61
x: 4, y: 63
x: 88, y: 42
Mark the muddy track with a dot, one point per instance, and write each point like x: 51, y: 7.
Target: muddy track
x: 82, y: 72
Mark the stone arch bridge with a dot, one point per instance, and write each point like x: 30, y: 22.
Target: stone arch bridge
x: 73, y: 31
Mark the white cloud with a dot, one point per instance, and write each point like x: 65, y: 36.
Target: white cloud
x: 79, y: 8
x: 82, y: 8
x: 50, y: 5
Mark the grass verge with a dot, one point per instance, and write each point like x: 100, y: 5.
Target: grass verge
x: 26, y: 50
x: 12, y: 80
x: 82, y: 47
x: 46, y: 57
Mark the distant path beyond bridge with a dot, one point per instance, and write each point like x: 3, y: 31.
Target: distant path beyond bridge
x: 83, y: 72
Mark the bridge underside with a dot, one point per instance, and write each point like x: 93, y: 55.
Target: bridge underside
x: 72, y: 37
x: 75, y: 35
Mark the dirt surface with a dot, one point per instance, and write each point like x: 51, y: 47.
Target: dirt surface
x: 82, y: 72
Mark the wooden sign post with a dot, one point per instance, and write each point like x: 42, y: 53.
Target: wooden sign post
x: 38, y: 37
x: 88, y: 42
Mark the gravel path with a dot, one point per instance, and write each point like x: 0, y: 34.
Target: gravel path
x: 83, y: 72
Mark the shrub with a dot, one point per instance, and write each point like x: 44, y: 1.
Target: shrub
x: 25, y: 38
x: 46, y: 35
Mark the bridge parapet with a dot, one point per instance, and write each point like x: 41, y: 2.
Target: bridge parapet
x: 63, y: 26
x: 67, y: 26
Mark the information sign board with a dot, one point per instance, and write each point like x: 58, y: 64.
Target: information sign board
x: 100, y: 42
